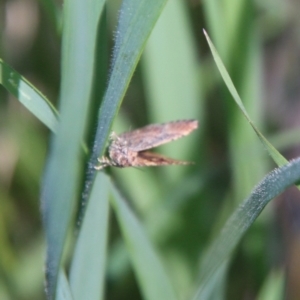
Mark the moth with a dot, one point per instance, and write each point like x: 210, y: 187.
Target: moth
x: 130, y: 149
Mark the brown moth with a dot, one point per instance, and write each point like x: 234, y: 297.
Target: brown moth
x: 129, y: 149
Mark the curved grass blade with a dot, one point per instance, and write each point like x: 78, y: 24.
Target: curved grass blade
x: 277, y: 157
x: 88, y: 264
x: 63, y: 173
x: 271, y: 186
x: 28, y: 95
x: 136, y: 21
x: 154, y: 282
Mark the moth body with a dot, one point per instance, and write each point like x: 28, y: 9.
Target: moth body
x: 119, y: 153
x: 129, y: 149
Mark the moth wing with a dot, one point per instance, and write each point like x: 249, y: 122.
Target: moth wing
x: 151, y: 159
x: 155, y: 135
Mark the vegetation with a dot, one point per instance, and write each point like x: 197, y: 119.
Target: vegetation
x: 178, y: 232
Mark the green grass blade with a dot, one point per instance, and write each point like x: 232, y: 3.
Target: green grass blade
x: 216, y: 286
x: 136, y: 21
x: 271, y: 186
x: 88, y: 264
x: 62, y: 176
x: 28, y: 95
x: 278, y: 158
x: 63, y: 288
x: 154, y: 282
x: 172, y: 80
x: 245, y: 173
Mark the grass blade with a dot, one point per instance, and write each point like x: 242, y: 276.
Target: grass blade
x: 154, y: 282
x: 132, y: 33
x: 172, y: 82
x: 28, y: 95
x: 271, y: 186
x: 278, y: 158
x: 88, y: 264
x: 62, y: 176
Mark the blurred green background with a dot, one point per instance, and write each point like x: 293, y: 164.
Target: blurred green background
x: 182, y: 207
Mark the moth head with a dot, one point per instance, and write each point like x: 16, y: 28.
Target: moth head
x: 118, y: 146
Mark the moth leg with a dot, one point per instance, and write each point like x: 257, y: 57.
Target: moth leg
x: 113, y: 136
x: 103, y: 163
